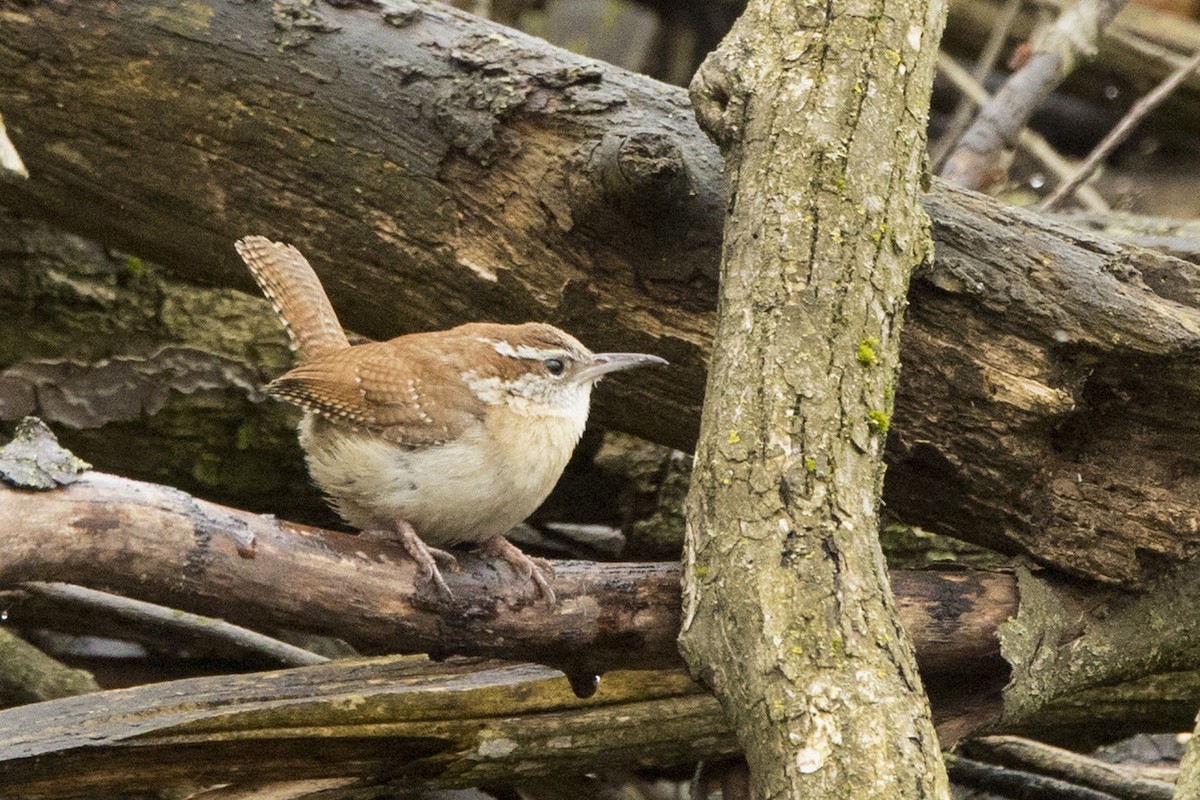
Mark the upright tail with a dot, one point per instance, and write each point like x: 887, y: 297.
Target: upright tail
x: 295, y: 291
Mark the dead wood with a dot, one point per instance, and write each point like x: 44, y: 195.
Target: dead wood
x: 385, y: 725
x: 160, y: 545
x: 370, y: 727
x: 1139, y: 49
x: 980, y: 159
x: 1079, y: 770
x: 1044, y: 366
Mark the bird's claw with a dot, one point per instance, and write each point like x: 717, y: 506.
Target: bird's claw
x: 426, y: 558
x: 528, y: 567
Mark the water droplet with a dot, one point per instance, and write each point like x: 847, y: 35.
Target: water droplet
x: 3, y: 615
x: 1112, y: 92
x: 1037, y: 180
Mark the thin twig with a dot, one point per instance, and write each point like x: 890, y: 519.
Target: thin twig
x: 1013, y: 752
x: 978, y: 159
x: 10, y: 159
x: 983, y: 66
x: 1015, y: 783
x: 1027, y: 140
x: 193, y: 625
x: 1121, y: 130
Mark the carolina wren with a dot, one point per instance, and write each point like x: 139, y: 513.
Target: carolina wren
x: 443, y: 438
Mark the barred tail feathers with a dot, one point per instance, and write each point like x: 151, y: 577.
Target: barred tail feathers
x: 295, y: 291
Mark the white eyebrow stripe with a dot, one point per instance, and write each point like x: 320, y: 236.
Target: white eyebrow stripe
x: 522, y: 351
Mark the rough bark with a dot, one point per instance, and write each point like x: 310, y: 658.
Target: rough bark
x: 146, y: 375
x: 788, y: 617
x: 408, y: 152
x: 1067, y: 638
x: 1045, y: 366
x: 158, y: 544
x: 367, y: 727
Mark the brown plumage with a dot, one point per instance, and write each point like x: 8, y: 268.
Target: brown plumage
x: 445, y: 438
x: 289, y: 282
x: 410, y: 389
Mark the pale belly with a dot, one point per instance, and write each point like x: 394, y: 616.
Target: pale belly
x: 462, y: 492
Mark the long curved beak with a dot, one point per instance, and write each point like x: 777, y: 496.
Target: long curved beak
x: 604, y: 363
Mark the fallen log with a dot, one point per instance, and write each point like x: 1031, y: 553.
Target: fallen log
x: 437, y: 168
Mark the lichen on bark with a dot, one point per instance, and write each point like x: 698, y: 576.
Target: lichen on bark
x: 819, y: 111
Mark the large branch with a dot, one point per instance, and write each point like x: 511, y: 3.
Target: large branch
x: 160, y: 545
x: 370, y: 728
x: 436, y: 167
x: 163, y: 546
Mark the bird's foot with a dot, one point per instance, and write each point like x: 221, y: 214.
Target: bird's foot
x: 539, y: 570
x: 427, y: 557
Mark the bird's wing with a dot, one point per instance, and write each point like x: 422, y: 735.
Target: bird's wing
x: 401, y: 389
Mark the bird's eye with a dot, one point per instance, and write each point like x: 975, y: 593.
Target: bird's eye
x: 554, y: 366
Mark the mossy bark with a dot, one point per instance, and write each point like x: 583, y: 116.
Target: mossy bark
x: 385, y: 726
x: 27, y: 675
x: 1045, y: 364
x: 146, y: 375
x: 788, y: 617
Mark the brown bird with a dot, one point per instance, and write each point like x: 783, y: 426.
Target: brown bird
x: 444, y: 438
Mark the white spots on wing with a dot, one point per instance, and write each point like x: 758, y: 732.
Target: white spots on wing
x: 414, y: 399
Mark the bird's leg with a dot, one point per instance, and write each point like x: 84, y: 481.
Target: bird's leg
x: 539, y: 570
x: 426, y: 557
x: 448, y: 559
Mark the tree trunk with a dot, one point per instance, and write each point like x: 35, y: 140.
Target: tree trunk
x: 1188, y: 785
x: 788, y: 617
x: 1045, y: 366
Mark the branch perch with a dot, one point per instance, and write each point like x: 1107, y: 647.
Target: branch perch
x: 160, y: 545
